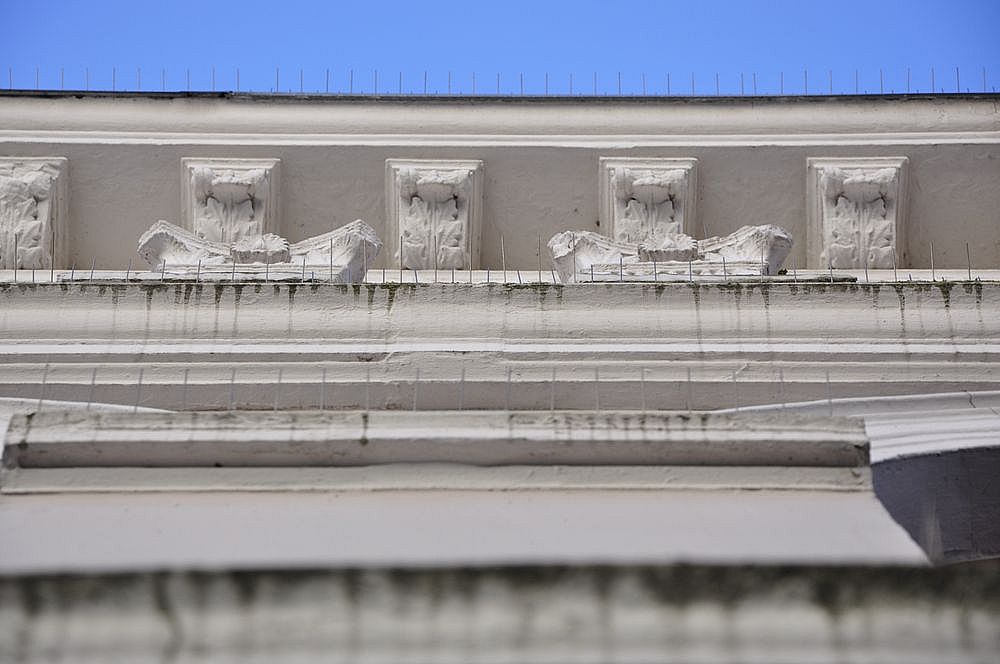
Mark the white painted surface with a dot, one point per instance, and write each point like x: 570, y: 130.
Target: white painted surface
x: 34, y: 212
x: 911, y: 425
x: 675, y: 346
x: 648, y: 197
x: 267, y: 530
x: 857, y: 212
x: 435, y: 208
x: 227, y: 200
x: 541, y: 156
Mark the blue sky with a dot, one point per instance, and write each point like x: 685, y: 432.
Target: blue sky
x: 786, y: 44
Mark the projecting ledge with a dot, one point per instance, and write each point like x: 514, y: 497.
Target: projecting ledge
x: 74, y: 439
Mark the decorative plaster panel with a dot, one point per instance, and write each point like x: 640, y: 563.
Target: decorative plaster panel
x: 435, y: 207
x: 33, y: 212
x: 645, y: 199
x: 857, y: 212
x: 350, y: 249
x: 225, y: 200
x: 750, y: 250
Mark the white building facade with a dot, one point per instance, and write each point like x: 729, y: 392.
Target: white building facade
x: 457, y: 447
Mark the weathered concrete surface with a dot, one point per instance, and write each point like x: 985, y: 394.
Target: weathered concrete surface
x: 541, y: 159
x: 248, y: 439
x: 689, y: 614
x: 444, y: 346
x: 146, y: 490
x: 77, y: 451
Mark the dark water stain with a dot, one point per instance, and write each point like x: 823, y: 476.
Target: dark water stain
x: 945, y: 288
x: 974, y: 287
x: 363, y: 440
x: 390, y: 296
x: 874, y: 290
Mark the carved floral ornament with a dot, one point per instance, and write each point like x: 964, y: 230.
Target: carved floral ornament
x: 644, y: 199
x: 434, y: 212
x: 856, y: 212
x: 226, y: 200
x: 33, y: 212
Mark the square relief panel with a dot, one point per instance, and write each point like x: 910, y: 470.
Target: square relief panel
x: 225, y: 200
x: 434, y: 211
x: 33, y: 212
x: 857, y: 212
x: 646, y: 198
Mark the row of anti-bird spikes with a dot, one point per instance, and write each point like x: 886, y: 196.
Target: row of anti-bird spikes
x: 458, y: 278
x: 651, y: 85
x: 326, y: 388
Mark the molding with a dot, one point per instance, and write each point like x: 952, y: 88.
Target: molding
x: 223, y: 117
x: 912, y: 425
x: 438, y: 206
x: 676, y: 346
x: 885, y: 217
x: 79, y: 439
x: 34, y: 212
x: 246, y: 206
x: 424, y: 477
x: 673, y: 177
x: 546, y: 613
x: 403, y: 139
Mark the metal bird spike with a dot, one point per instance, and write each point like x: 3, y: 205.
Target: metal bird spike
x: 322, y: 391
x: 41, y: 395
x: 507, y: 399
x: 93, y: 382
x: 503, y: 259
x: 277, y: 388
x: 138, y: 392
x: 552, y: 391
x: 416, y: 386
x: 642, y: 388
x: 597, y: 389
x: 539, y: 259
x: 689, y: 397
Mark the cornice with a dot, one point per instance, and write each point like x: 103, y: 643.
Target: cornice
x: 678, y: 346
x: 607, y: 141
x: 220, y: 120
